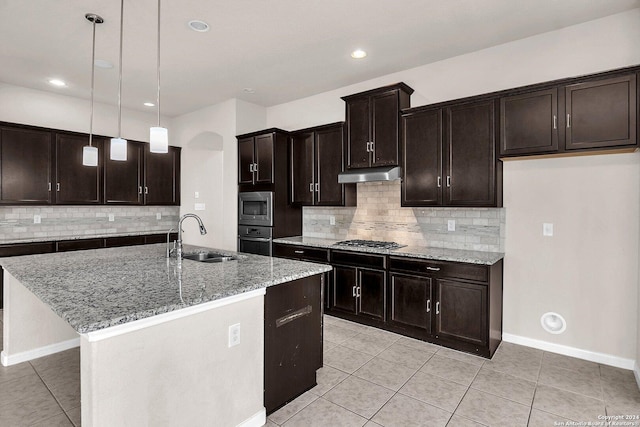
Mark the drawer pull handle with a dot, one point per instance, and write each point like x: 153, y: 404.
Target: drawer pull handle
x: 298, y: 252
x: 428, y: 306
x: 438, y: 307
x: 293, y: 316
x: 433, y: 268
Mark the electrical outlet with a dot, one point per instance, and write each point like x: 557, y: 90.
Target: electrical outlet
x: 451, y: 225
x: 547, y: 229
x: 332, y: 220
x: 112, y: 217
x: 158, y: 216
x: 234, y: 335
x: 196, y: 195
x: 37, y: 219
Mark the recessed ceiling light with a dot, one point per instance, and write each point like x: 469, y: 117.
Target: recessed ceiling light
x: 248, y: 90
x: 149, y: 104
x: 358, y: 54
x: 199, y: 26
x: 103, y: 63
x: 57, y: 82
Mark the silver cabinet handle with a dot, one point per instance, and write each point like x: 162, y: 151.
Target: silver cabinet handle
x: 317, y: 187
x: 433, y: 268
x: 255, y: 167
x: 568, y: 120
x: 49, y: 187
x: 354, y: 291
x: 140, y: 190
x: 428, y: 305
x: 298, y: 252
x: 555, y: 122
x: 146, y: 190
x: 439, y: 181
x: 251, y: 167
x: 438, y: 307
x: 358, y: 291
x: 311, y: 187
x: 372, y: 146
x: 58, y: 186
x: 448, y: 181
x: 368, y: 147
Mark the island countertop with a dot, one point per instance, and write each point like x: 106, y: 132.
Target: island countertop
x: 97, y: 289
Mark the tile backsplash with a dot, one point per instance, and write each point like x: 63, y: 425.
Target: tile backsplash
x: 379, y: 216
x: 61, y: 222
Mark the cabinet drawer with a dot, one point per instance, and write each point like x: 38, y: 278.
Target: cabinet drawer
x: 304, y: 253
x: 359, y: 259
x: 475, y: 272
x: 76, y: 245
x: 26, y: 249
x: 112, y: 242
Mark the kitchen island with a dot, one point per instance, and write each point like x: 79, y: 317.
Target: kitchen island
x: 154, y: 333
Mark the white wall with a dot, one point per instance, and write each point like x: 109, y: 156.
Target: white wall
x: 594, y: 203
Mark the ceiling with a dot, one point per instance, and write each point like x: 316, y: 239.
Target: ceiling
x: 283, y: 49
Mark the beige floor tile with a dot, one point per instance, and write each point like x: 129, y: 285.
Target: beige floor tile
x: 327, y: 377
x: 345, y: 324
x: 9, y: 373
x: 270, y: 424
x: 566, y: 404
x: 620, y: 389
x: 463, y: 357
x: 338, y: 334
x: 359, y: 396
x: 75, y: 416
x: 369, y: 344
x: 571, y: 363
x: 492, y: 410
x: 328, y: 345
x: 516, y: 360
x: 504, y: 385
x: 286, y: 412
x: 419, y: 345
x: 406, y: 356
x: 387, y: 374
x: 451, y: 369
x: 616, y: 375
x: 60, y: 420
x: 26, y: 400
x: 64, y: 384
x: 372, y: 424
x: 382, y: 334
x: 458, y: 421
x: 587, y: 384
x: 322, y: 413
x: 434, y: 391
x: 345, y: 359
x: 544, y: 419
x: 403, y: 411
x: 67, y: 358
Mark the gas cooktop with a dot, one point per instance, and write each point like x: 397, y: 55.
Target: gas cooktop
x: 370, y: 244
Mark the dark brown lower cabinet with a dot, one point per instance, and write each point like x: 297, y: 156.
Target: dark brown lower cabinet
x: 292, y: 339
x: 410, y: 304
x: 461, y: 312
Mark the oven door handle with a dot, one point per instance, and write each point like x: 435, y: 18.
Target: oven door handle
x: 255, y: 239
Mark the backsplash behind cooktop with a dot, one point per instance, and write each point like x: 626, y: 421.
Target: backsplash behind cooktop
x: 379, y: 216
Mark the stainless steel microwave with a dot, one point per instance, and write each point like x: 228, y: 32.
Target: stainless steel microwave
x: 255, y: 208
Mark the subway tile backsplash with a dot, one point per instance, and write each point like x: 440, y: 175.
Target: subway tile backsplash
x: 69, y: 222
x: 379, y: 216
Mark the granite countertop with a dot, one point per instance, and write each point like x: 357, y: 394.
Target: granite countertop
x: 439, y: 254
x: 81, y: 237
x: 96, y: 289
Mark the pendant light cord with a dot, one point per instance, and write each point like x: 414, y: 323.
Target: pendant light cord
x: 120, y: 73
x: 158, y: 94
x: 93, y: 72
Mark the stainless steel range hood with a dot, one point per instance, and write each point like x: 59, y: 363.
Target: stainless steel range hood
x: 384, y: 173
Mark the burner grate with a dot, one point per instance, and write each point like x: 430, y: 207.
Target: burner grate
x: 370, y: 244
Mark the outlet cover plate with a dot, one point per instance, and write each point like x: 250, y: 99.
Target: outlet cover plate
x: 234, y: 335
x: 451, y: 225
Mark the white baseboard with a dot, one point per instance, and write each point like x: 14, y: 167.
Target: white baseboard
x: 592, y: 356
x: 636, y: 372
x: 256, y: 420
x: 25, y: 356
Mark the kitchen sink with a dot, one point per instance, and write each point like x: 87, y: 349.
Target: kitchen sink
x: 209, y: 257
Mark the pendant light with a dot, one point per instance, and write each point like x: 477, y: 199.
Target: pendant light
x: 119, y: 145
x: 158, y: 136
x: 89, y: 152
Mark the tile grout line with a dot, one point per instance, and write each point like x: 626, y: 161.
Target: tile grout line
x: 52, y: 395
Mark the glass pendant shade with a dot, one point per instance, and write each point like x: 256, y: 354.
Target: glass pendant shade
x: 89, y: 156
x: 118, y: 149
x: 159, y: 140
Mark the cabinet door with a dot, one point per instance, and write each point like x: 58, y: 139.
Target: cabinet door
x: 601, y: 113
x: 302, y: 162
x: 385, y: 116
x: 358, y: 134
x: 529, y: 123
x: 471, y: 157
x: 76, y: 183
x: 411, y: 302
x: 372, y: 290
x: 162, y: 177
x: 329, y: 148
x: 123, y: 180
x: 344, y: 289
x: 245, y: 161
x: 422, y: 159
x: 264, y: 159
x: 25, y: 166
x: 461, y: 312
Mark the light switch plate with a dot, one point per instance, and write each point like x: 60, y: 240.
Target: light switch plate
x: 451, y: 225
x: 158, y: 216
x: 112, y: 217
x: 332, y: 220
x: 234, y: 335
x: 547, y: 229
x: 199, y: 206
x: 37, y: 219
x: 196, y: 195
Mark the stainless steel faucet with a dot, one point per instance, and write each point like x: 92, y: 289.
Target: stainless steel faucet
x: 203, y: 231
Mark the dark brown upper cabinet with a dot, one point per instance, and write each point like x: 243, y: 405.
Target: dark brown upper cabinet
x: 25, y: 166
x: 316, y: 156
x: 595, y: 113
x: 76, y: 184
x: 601, y: 113
x: 123, y: 181
x: 449, y: 156
x: 162, y: 177
x: 373, y: 125
x: 256, y: 157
